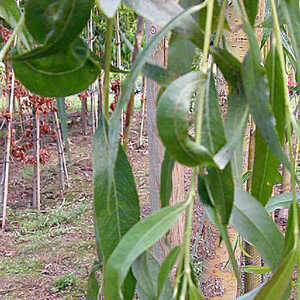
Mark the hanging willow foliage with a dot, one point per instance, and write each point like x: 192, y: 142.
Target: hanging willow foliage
x: 63, y: 65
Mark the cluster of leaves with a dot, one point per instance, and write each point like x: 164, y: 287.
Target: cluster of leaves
x: 254, y: 89
x: 61, y: 65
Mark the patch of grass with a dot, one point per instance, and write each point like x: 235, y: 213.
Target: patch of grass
x: 27, y: 171
x: 69, y: 279
x: 54, y: 221
x: 25, y: 265
x: 73, y: 104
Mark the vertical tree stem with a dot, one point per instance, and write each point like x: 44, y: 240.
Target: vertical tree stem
x: 204, y: 68
x: 38, y: 174
x: 4, y: 188
x: 108, y: 46
x: 11, y: 39
x: 190, y: 207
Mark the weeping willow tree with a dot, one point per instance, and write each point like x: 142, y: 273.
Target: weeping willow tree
x: 196, y: 136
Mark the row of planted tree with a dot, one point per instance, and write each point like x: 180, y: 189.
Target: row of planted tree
x: 29, y: 119
x: 54, y: 60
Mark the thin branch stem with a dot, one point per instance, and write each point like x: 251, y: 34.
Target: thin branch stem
x: 190, y: 202
x: 220, y: 24
x: 108, y: 46
x: 9, y: 42
x: 204, y: 68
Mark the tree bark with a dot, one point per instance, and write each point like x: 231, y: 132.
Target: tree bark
x: 177, y: 230
x: 156, y: 150
x: 84, y: 115
x: 155, y: 146
x: 36, y: 200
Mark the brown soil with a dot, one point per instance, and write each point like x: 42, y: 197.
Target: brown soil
x: 46, y: 255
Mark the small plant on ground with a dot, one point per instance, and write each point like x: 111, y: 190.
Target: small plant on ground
x: 65, y: 281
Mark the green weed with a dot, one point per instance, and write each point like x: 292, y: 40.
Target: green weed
x: 69, y: 279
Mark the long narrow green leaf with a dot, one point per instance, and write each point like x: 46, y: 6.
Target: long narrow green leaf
x: 235, y: 126
x: 129, y: 286
x: 187, y: 4
x: 157, y: 73
x: 291, y: 13
x: 265, y: 170
x: 279, y: 283
x: 237, y: 114
x: 220, y: 182
x: 252, y: 221
x: 173, y: 124
x: 115, y: 215
x: 166, y: 268
x: 256, y: 269
x: 181, y: 52
x: 138, y: 239
x: 288, y: 48
x: 194, y: 293
x: 251, y: 7
x: 229, y: 65
x: 93, y: 285
x: 256, y: 90
x: 146, y: 271
x: 281, y: 201
x: 166, y: 184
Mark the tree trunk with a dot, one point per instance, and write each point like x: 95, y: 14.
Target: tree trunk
x: 159, y: 55
x: 84, y: 115
x: 155, y: 146
x: 177, y: 230
x: 36, y: 200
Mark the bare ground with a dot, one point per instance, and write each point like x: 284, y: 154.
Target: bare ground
x: 47, y: 255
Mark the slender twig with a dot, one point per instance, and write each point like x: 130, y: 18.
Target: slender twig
x: 189, y: 212
x: 6, y: 165
x: 220, y: 24
x: 11, y: 39
x: 204, y: 68
x: 108, y: 45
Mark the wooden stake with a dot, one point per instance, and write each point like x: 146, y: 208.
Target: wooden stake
x: 137, y: 46
x: 62, y: 160
x: 6, y: 163
x: 37, y: 196
x: 142, y: 113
